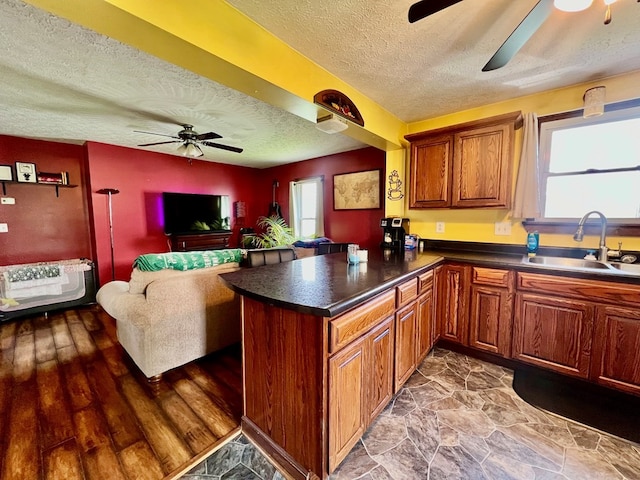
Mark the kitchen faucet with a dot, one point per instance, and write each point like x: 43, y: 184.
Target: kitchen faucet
x: 602, y: 248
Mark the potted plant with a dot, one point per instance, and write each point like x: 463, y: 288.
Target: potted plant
x: 276, y: 233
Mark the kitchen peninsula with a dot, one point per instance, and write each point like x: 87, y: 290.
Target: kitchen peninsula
x: 320, y: 341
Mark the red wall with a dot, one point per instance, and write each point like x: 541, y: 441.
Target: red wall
x: 141, y: 177
x: 356, y: 226
x: 41, y: 226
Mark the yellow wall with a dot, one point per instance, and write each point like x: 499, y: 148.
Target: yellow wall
x: 478, y: 224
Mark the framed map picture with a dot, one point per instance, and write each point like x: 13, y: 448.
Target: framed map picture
x: 357, y: 191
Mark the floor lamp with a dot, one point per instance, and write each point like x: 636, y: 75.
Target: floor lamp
x: 110, y: 192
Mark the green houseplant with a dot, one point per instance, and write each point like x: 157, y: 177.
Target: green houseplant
x: 276, y: 233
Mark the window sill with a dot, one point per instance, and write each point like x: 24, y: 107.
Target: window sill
x: 591, y: 227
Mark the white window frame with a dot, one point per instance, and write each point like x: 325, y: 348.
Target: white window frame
x: 295, y: 202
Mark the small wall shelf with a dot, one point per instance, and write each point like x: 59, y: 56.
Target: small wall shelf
x: 57, y: 186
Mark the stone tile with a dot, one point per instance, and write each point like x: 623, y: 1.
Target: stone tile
x: 449, y: 380
x: 380, y: 473
x: 475, y: 446
x: 500, y: 397
x: 504, y: 416
x: 469, y: 422
x: 472, y: 400
x: 422, y: 429
x: 417, y: 379
x: 559, y: 434
x: 584, y: 464
x: 278, y: 476
x: 447, y: 403
x: 429, y: 393
x: 622, y: 455
x: 226, y: 458
x: 357, y: 463
x: 403, y: 403
x: 253, y: 459
x: 432, y: 366
x: 459, y: 366
x: 497, y: 371
x: 541, y: 474
x: 584, y: 437
x: 541, y: 443
x: 448, y: 436
x: 240, y: 472
x: 201, y: 468
x: 385, y: 433
x: 440, y: 352
x: 500, y: 467
x: 454, y: 462
x: 482, y: 381
x: 502, y: 444
x: 404, y: 462
x: 475, y: 364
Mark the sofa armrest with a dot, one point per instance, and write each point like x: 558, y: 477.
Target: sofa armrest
x: 115, y: 299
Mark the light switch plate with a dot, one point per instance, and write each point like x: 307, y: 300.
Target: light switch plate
x: 4, y: 228
x: 439, y: 227
x: 503, y: 228
x: 7, y: 201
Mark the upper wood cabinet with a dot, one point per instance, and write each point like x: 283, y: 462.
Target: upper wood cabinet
x: 463, y: 166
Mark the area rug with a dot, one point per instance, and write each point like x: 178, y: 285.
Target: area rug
x: 607, y: 410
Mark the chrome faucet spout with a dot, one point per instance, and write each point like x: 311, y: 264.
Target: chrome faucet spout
x: 579, y: 235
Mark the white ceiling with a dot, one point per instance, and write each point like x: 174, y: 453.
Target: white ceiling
x: 61, y: 81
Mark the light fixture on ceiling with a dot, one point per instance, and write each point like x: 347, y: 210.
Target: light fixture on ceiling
x: 332, y: 124
x: 190, y: 149
x: 594, y: 101
x: 572, y: 5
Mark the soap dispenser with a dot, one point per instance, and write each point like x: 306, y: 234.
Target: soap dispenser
x: 591, y: 255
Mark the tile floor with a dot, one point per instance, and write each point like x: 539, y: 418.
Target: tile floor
x: 458, y: 418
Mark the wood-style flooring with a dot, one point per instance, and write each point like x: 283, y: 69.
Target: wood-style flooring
x: 74, y: 406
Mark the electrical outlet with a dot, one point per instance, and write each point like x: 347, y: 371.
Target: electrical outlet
x: 439, y: 227
x: 503, y: 228
x: 4, y: 228
x: 7, y: 201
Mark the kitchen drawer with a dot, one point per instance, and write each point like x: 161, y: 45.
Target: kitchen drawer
x: 354, y: 323
x: 407, y: 291
x: 425, y: 281
x: 491, y: 276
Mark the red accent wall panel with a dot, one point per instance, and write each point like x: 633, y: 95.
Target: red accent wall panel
x: 41, y: 226
x: 357, y: 226
x: 141, y: 177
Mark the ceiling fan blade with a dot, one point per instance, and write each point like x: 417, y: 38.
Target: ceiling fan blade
x: 424, y: 8
x: 223, y: 147
x: 159, y: 143
x: 520, y: 35
x: 208, y: 136
x: 159, y: 134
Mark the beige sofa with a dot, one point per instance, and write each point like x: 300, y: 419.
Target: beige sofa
x: 168, y: 318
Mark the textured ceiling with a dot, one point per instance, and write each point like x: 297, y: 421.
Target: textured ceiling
x: 64, y: 82
x: 433, y: 67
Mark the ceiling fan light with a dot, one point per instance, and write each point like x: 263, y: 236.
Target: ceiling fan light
x: 572, y: 5
x: 190, y: 149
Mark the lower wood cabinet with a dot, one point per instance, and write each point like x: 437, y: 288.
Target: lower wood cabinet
x: 554, y: 333
x: 453, y: 310
x: 616, y: 348
x: 425, y: 325
x: 406, y: 329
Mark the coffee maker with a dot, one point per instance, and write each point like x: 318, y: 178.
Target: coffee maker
x: 393, y: 231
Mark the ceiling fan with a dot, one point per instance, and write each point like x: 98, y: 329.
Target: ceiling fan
x: 191, y: 141
x: 527, y: 27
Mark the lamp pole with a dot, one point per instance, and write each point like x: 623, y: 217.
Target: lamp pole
x: 110, y: 192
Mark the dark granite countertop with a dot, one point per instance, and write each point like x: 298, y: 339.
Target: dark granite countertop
x: 325, y: 285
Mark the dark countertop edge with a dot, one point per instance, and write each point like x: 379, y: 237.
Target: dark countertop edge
x: 344, y: 305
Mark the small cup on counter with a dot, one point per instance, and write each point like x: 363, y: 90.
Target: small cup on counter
x: 352, y: 254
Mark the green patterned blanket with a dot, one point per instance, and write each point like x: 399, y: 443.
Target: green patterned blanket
x: 152, y: 262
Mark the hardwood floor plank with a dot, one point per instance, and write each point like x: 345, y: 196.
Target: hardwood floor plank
x: 7, y: 335
x: 213, y: 417
x: 115, y: 358
x: 25, y: 326
x: 94, y: 441
x: 24, y: 358
x: 55, y: 420
x: 61, y: 334
x: 45, y: 347
x: 6, y: 389
x: 22, y: 456
x: 193, y: 430
x: 75, y: 379
x: 139, y: 462
x: 82, y: 340
x: 91, y: 323
x: 63, y: 462
x: 170, y: 449
x: 108, y: 324
x: 120, y: 419
x: 217, y: 391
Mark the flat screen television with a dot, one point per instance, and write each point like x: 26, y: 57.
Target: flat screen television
x: 189, y: 213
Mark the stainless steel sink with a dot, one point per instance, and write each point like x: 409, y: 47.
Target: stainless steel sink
x: 563, y: 262
x: 633, y: 269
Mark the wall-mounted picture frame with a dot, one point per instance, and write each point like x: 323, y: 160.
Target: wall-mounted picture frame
x: 26, y: 172
x: 357, y: 190
x: 6, y: 173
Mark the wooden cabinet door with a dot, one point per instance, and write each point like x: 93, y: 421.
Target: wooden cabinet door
x: 380, y: 349
x: 431, y: 169
x: 406, y: 319
x: 482, y: 167
x: 490, y: 319
x: 616, y: 348
x: 553, y: 333
x: 453, y: 287
x: 426, y: 328
x: 346, y: 400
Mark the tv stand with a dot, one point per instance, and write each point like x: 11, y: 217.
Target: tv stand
x: 188, y: 242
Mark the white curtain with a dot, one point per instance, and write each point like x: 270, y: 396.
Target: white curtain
x: 307, y: 204
x: 527, y: 202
